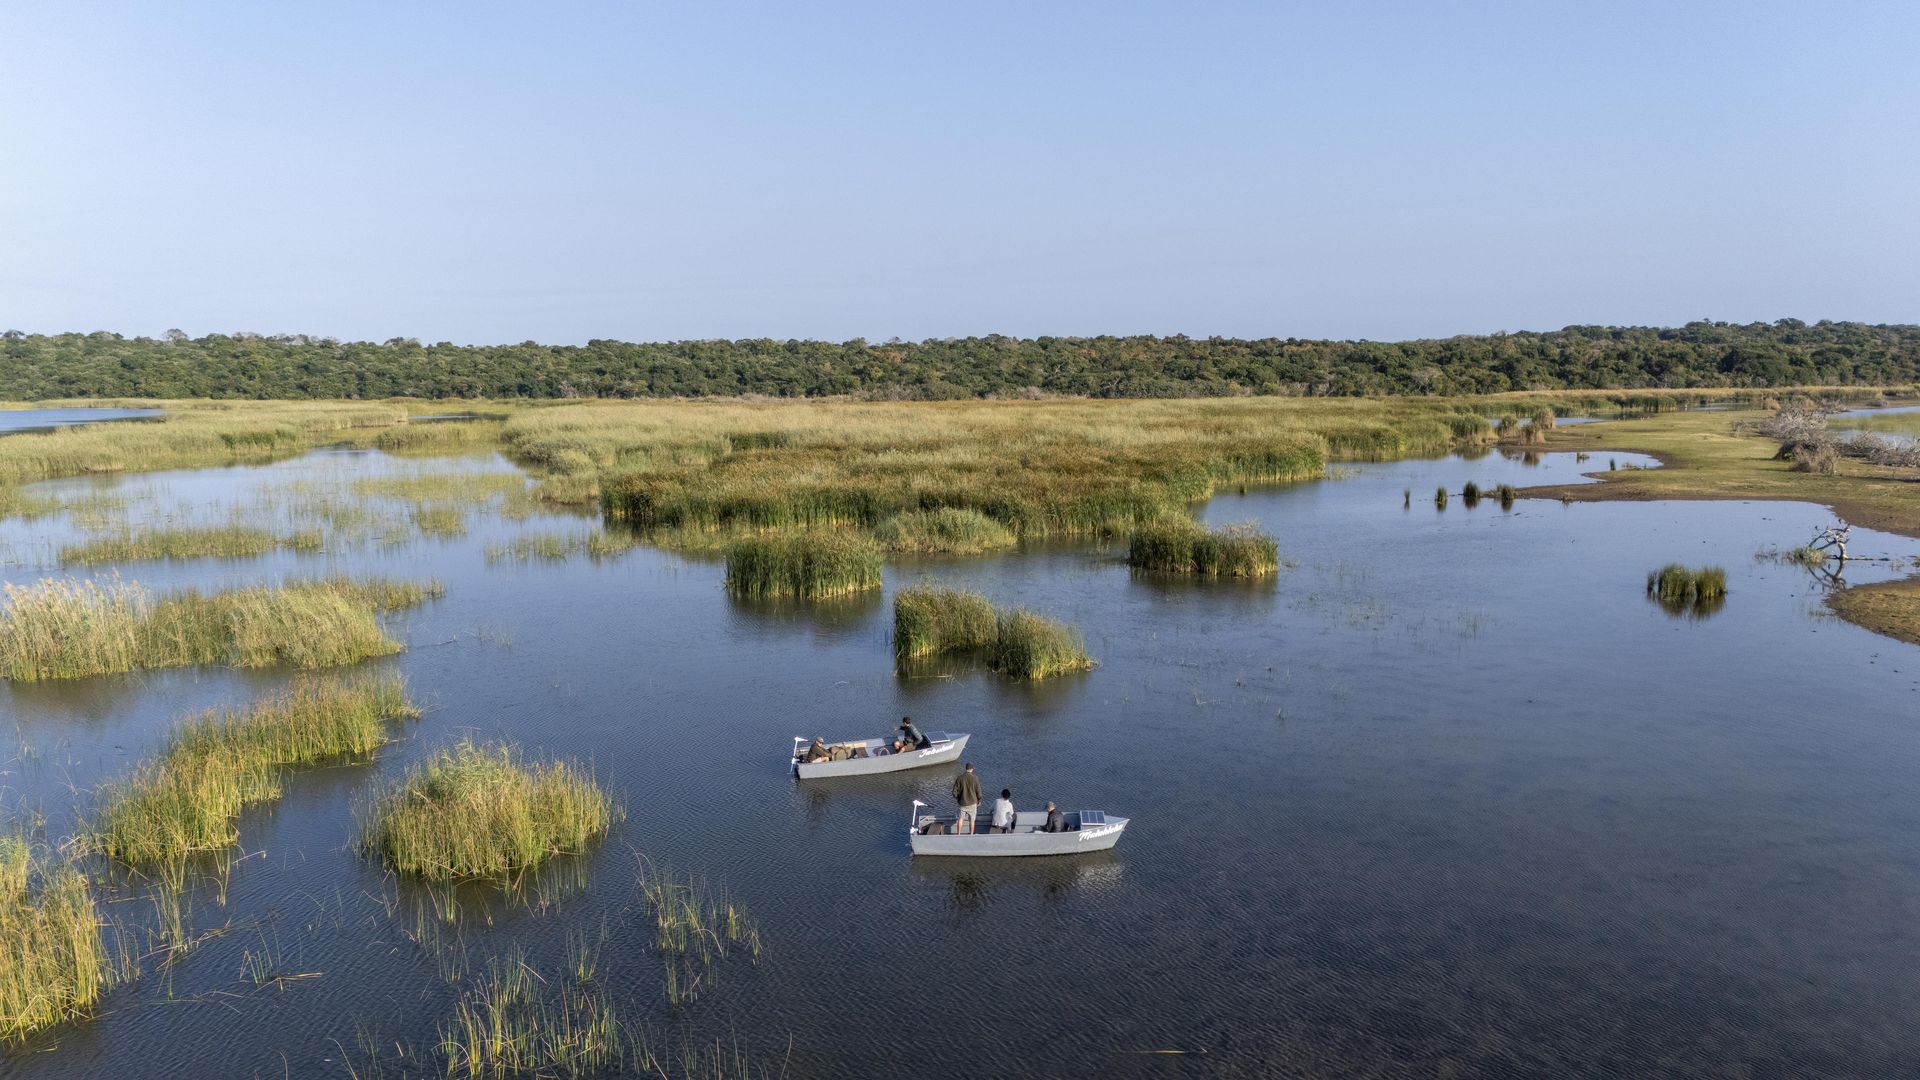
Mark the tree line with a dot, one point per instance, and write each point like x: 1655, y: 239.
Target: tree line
x: 244, y: 365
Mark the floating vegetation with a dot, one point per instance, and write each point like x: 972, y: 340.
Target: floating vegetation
x: 929, y: 619
x: 54, y: 964
x: 1470, y: 494
x: 1683, y: 591
x: 1184, y: 546
x: 68, y: 629
x: 555, y: 547
x: 229, y: 541
x: 189, y: 800
x: 947, y: 530
x: 446, y: 522
x: 480, y: 812
x: 695, y: 928
x: 805, y: 563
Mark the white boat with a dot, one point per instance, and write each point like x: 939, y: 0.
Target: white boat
x: 868, y: 756
x: 1087, y: 830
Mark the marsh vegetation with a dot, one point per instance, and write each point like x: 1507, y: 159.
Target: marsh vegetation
x: 808, y: 564
x: 931, y: 620
x: 54, y: 961
x: 230, y: 541
x: 480, y: 811
x: 1682, y: 590
x: 1184, y: 546
x: 69, y: 629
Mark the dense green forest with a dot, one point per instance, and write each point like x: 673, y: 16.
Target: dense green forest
x: 1710, y: 354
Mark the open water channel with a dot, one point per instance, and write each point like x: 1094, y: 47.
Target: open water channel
x: 1449, y: 796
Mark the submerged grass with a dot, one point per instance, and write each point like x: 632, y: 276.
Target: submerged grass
x: 695, y: 928
x: 189, y: 800
x: 54, y: 963
x: 1184, y: 546
x: 555, y: 547
x: 808, y: 564
x: 229, y: 541
x: 479, y: 811
x: 66, y: 629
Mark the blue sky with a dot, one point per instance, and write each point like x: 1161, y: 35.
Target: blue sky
x: 560, y: 172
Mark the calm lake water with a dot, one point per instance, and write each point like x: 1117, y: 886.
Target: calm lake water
x: 14, y: 421
x: 1448, y: 797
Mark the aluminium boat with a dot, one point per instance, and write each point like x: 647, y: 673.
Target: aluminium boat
x: 1087, y: 830
x: 864, y: 757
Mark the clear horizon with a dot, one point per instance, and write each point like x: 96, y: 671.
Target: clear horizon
x: 484, y: 175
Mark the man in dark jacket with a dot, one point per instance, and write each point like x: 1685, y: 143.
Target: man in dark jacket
x: 909, y: 737
x: 966, y: 792
x: 1056, y: 821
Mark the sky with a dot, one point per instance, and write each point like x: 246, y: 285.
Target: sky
x: 482, y: 173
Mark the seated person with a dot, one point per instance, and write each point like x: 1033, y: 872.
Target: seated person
x: 1003, y: 812
x: 909, y: 737
x: 1056, y: 821
x: 817, y: 750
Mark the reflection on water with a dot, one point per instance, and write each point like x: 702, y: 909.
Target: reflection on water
x: 1430, y: 801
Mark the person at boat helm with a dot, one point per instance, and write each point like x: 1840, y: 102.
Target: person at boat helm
x: 818, y: 751
x: 966, y: 792
x: 909, y: 737
x: 1056, y: 821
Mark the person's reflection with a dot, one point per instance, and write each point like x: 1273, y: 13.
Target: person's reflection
x: 969, y: 892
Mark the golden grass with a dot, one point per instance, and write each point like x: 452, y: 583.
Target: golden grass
x: 189, y: 800
x: 68, y: 629
x: 479, y: 811
x: 226, y: 541
x: 54, y: 964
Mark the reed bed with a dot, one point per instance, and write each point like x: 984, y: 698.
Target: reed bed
x: 1184, y: 546
x: 189, y: 800
x: 930, y: 619
x: 1470, y: 494
x: 944, y: 531
x: 190, y: 434
x: 480, y: 812
x: 226, y: 541
x: 1689, y: 591
x: 66, y: 629
x: 54, y: 963
x: 1060, y: 468
x: 1506, y: 495
x: 807, y: 564
x: 1030, y: 646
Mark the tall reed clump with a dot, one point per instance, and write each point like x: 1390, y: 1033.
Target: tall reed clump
x: 947, y: 530
x: 72, y: 629
x: 189, y: 799
x: 805, y: 563
x: 1032, y: 646
x: 1183, y: 546
x: 1684, y: 591
x: 1470, y: 494
x: 1506, y: 495
x: 54, y: 964
x: 1440, y: 498
x: 479, y: 811
x: 227, y: 541
x: 929, y: 619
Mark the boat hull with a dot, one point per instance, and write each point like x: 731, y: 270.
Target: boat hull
x: 1020, y: 844
x: 940, y: 753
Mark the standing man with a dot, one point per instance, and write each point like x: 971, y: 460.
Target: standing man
x: 966, y: 792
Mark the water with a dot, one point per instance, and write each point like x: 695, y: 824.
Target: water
x: 1450, y: 796
x: 15, y: 421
